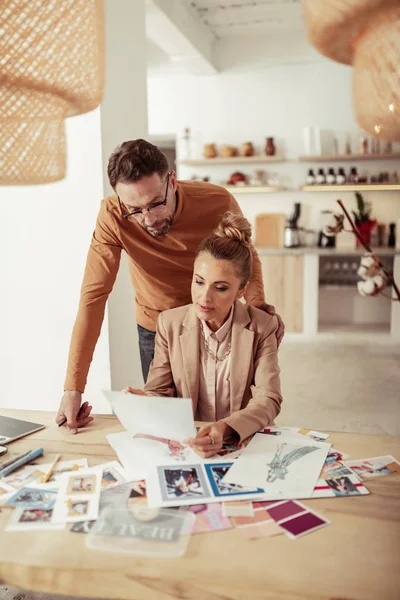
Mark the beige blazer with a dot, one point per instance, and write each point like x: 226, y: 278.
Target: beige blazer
x: 254, y: 370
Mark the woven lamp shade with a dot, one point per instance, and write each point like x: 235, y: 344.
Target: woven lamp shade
x: 51, y: 67
x: 365, y: 34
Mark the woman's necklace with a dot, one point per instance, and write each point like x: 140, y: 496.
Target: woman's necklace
x: 207, y: 347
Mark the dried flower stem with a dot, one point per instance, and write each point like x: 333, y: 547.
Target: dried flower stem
x: 388, y: 274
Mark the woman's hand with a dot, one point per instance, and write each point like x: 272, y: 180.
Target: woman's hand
x: 210, y: 438
x: 129, y: 390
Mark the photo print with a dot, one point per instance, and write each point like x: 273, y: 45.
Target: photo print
x: 215, y: 474
x: 81, y: 484
x: 77, y: 508
x: 181, y: 483
x: 343, y: 486
x: 32, y: 498
x: 36, y: 515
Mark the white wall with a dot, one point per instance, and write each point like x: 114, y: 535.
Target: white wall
x: 123, y: 117
x: 45, y: 232
x: 252, y: 103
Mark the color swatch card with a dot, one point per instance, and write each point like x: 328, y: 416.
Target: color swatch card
x: 79, y: 496
x: 295, y: 518
x: 261, y: 524
x: 284, y: 466
x: 374, y: 467
x: 238, y: 508
x: 209, y: 518
x: 186, y: 484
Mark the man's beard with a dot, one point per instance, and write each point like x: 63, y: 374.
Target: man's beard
x: 164, y: 230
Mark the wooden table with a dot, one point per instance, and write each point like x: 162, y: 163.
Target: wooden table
x: 357, y: 556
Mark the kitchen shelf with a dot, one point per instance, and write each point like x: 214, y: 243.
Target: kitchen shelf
x: 367, y: 187
x: 349, y: 157
x: 254, y: 189
x: 220, y: 160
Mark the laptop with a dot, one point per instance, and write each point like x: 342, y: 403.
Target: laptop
x: 13, y: 429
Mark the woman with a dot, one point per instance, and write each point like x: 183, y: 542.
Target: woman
x: 218, y: 351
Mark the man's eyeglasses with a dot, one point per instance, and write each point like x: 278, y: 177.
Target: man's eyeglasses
x: 156, y: 209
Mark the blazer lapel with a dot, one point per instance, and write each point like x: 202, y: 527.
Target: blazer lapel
x: 242, y: 354
x: 190, y: 342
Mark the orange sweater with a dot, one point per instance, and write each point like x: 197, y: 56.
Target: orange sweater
x: 160, y: 267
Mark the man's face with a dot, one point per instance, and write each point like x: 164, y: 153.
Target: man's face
x: 148, y: 195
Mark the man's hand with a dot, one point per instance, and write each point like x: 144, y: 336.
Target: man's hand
x: 280, y: 332
x: 71, y: 409
x: 210, y: 438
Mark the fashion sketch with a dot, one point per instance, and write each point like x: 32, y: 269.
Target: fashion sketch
x: 278, y: 467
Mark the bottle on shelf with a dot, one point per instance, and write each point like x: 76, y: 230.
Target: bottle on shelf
x: 270, y: 148
x: 331, y: 177
x: 380, y: 234
x: 310, y: 179
x: 320, y: 179
x: 185, y: 145
x: 388, y: 147
x: 392, y: 235
x: 363, y: 144
x: 347, y: 144
x: 341, y: 177
x: 353, y: 177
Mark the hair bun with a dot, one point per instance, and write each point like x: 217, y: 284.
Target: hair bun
x: 235, y: 227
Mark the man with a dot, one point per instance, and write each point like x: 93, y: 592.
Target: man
x: 159, y: 222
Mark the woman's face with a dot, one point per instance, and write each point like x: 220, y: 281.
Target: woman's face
x: 215, y: 287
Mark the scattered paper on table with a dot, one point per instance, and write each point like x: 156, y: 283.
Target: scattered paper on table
x: 183, y: 485
x: 78, y: 496
x: 32, y: 498
x: 374, y: 467
x: 239, y: 508
x: 284, y: 466
x: 32, y: 519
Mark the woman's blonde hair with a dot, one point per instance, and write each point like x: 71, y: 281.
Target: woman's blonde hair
x: 231, y: 240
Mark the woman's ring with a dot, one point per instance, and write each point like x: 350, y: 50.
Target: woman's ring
x: 212, y: 441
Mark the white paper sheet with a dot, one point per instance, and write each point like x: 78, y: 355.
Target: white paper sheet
x: 138, y: 455
x: 163, y: 417
x: 285, y: 466
x: 155, y: 429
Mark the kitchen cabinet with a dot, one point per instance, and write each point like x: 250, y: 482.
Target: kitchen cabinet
x: 283, y: 286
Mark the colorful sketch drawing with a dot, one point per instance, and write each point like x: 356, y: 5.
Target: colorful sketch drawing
x: 278, y: 467
x: 175, y: 449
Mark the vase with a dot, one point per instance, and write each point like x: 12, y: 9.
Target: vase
x: 270, y: 146
x: 364, y: 229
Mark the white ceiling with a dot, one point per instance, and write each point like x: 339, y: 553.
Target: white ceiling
x: 229, y: 18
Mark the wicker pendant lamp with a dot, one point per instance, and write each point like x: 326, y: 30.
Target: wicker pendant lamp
x: 365, y: 34
x: 51, y: 67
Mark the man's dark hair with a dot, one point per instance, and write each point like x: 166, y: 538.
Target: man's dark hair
x: 133, y: 160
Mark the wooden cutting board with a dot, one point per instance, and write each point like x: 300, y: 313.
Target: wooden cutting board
x: 270, y: 230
